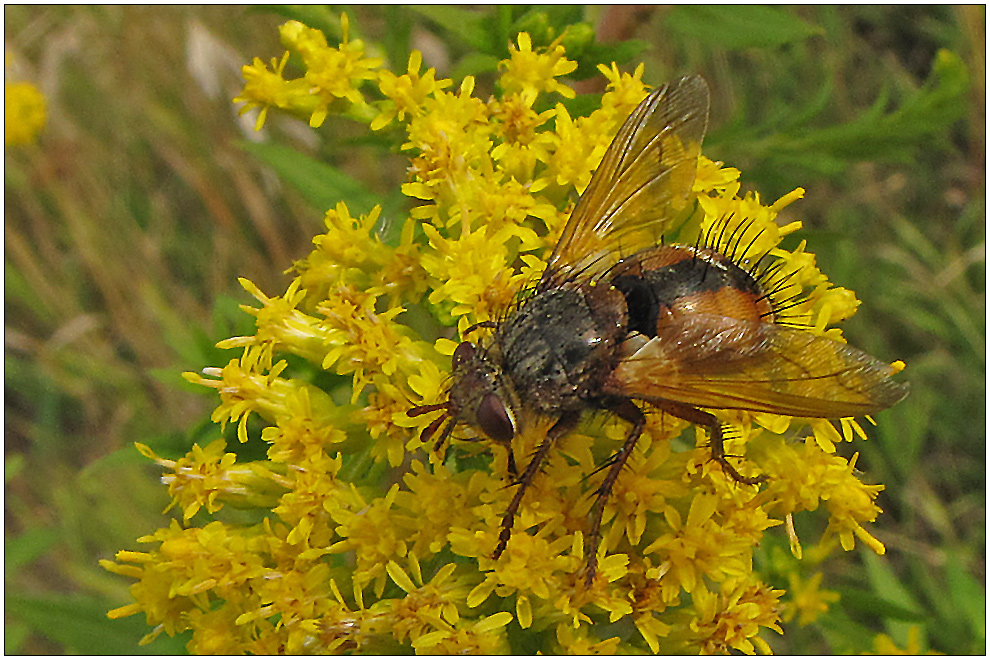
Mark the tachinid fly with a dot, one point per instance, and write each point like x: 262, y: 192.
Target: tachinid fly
x: 619, y: 319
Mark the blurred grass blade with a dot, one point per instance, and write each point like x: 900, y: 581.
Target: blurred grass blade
x: 896, y: 135
x: 13, y: 465
x: 868, y: 603
x: 25, y: 548
x: 738, y: 26
x: 941, y: 100
x: 474, y: 64
x: 323, y: 186
x: 619, y: 52
x: 14, y: 634
x: 315, y: 16
x: 897, y: 601
x: 969, y: 597
x: 468, y: 26
x: 81, y: 625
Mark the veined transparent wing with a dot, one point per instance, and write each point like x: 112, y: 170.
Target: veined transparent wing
x: 644, y: 179
x: 717, y: 362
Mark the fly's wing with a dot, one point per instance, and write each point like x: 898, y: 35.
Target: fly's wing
x: 717, y: 362
x: 643, y: 180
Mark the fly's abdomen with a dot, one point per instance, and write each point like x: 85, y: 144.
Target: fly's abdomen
x: 680, y: 280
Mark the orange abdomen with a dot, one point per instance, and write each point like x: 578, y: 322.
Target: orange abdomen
x: 676, y: 280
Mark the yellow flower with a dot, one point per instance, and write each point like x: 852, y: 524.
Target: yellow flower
x: 431, y: 525
x: 579, y: 641
x: 471, y: 272
x: 577, y: 148
x: 361, y: 340
x: 452, y: 139
x: 359, y: 536
x: 209, y: 478
x: 481, y: 637
x: 369, y: 529
x: 807, y: 599
x: 884, y: 645
x: 281, y: 327
x: 24, y: 113
x: 625, y: 90
x: 732, y: 618
x: 216, y: 632
x: 532, y: 73
x: 522, y: 147
x: 332, y: 74
x: 698, y: 546
x: 408, y: 92
x: 264, y: 89
x: 314, y: 491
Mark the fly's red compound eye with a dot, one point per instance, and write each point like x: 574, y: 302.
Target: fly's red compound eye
x: 494, y: 419
x: 464, y: 352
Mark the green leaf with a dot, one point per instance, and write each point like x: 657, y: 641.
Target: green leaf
x: 738, y: 26
x: 398, y: 31
x: 868, y: 603
x: 314, y: 16
x: 26, y: 547
x: 619, y: 52
x: 474, y: 64
x: 14, y: 634
x: 468, y: 26
x: 846, y: 629
x: 879, y: 134
x: 876, y: 135
x: 13, y: 465
x: 968, y: 595
x: 80, y: 624
x: 897, y: 601
x: 322, y: 185
x: 816, y: 104
x: 551, y: 19
x: 582, y: 105
x: 537, y: 25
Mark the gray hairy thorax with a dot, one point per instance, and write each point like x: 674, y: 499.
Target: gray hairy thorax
x: 559, y: 347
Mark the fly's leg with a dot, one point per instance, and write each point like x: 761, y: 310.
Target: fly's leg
x: 560, y: 428
x: 511, y: 465
x: 628, y: 411
x: 702, y: 418
x: 718, y: 455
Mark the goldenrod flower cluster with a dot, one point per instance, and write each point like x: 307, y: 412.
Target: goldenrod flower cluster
x: 355, y: 535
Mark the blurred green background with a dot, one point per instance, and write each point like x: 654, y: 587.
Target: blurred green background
x: 146, y: 196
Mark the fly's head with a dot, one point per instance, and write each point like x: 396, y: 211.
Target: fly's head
x: 478, y: 397
x: 478, y: 394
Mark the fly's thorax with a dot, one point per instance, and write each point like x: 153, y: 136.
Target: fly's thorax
x: 480, y: 395
x: 559, y: 347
